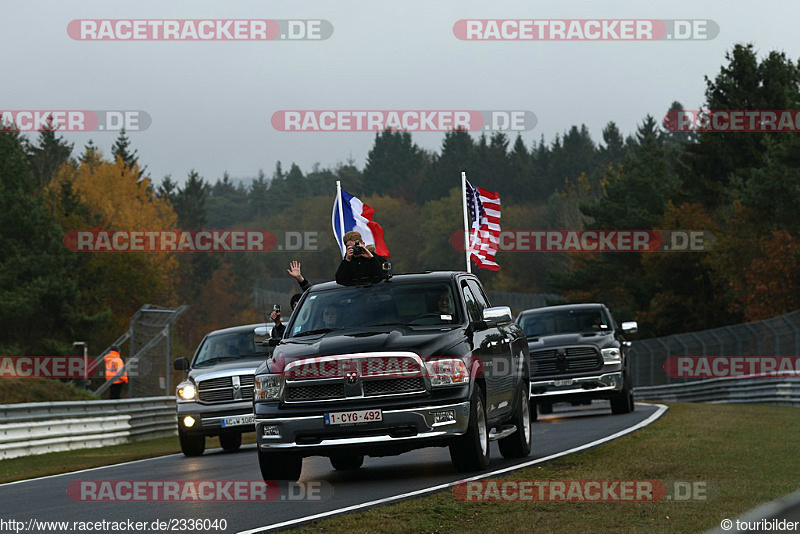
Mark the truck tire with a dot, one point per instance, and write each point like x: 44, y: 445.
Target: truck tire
x: 280, y: 466
x: 347, y: 462
x: 192, y: 445
x: 518, y: 444
x: 623, y: 403
x: 470, y: 452
x: 230, y: 442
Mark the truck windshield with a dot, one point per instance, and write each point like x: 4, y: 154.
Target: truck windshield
x: 228, y: 347
x: 547, y: 323
x: 381, y: 304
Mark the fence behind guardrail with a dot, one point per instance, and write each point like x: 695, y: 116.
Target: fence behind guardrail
x: 778, y: 336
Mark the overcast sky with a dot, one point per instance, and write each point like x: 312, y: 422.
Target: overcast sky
x: 211, y: 102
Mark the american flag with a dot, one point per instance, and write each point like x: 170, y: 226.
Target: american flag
x: 484, y: 213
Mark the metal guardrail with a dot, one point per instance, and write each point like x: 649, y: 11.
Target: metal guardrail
x: 781, y: 389
x: 42, y: 427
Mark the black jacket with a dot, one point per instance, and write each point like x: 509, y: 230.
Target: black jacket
x: 360, y: 270
x: 278, y: 330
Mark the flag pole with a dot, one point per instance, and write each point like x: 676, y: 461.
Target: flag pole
x: 341, y: 215
x: 466, y: 226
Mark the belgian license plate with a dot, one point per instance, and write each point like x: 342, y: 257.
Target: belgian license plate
x: 358, y: 416
x: 566, y: 382
x: 238, y: 420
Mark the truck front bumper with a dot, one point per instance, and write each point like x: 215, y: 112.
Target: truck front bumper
x: 605, y: 383
x: 310, y: 433
x: 208, y: 419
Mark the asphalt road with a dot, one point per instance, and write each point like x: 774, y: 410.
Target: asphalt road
x: 380, y: 480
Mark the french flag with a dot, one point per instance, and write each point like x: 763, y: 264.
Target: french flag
x: 356, y: 216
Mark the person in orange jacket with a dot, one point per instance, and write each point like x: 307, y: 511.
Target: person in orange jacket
x: 114, y: 363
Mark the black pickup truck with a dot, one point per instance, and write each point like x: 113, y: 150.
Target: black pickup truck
x: 411, y: 361
x: 578, y: 353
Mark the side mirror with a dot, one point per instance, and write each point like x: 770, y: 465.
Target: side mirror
x: 497, y: 315
x: 630, y: 327
x: 181, y: 364
x: 261, y: 335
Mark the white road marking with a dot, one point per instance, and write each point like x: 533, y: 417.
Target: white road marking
x: 658, y: 413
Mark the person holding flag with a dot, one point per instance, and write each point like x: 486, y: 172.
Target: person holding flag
x: 357, y: 233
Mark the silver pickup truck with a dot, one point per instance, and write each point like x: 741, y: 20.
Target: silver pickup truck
x: 216, y: 399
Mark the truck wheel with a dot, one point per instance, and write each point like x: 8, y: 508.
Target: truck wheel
x: 192, y: 445
x: 280, y: 466
x: 518, y: 444
x: 470, y: 452
x: 545, y: 408
x: 347, y: 462
x: 230, y: 442
x: 623, y: 403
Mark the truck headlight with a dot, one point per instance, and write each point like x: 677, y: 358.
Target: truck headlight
x: 612, y: 355
x: 186, y: 391
x: 447, y: 372
x: 267, y: 387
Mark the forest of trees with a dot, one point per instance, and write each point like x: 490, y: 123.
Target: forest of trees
x: 742, y: 187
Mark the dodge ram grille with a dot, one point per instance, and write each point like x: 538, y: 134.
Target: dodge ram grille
x: 221, y: 389
x: 565, y: 360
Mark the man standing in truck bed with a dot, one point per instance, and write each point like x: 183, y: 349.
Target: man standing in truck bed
x: 359, y: 264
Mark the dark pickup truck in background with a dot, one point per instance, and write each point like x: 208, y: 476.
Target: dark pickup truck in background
x: 411, y: 361
x: 578, y: 353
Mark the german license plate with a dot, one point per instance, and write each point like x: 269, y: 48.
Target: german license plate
x: 238, y: 420
x: 358, y: 416
x: 566, y: 382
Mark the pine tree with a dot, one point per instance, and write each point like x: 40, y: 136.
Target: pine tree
x: 47, y: 156
x: 122, y: 149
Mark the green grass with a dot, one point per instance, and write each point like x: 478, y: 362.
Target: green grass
x: 16, y: 390
x: 746, y: 455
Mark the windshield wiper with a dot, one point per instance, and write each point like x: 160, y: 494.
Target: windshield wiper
x: 317, y: 331
x: 217, y: 359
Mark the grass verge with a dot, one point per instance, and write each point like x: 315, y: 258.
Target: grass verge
x: 746, y: 455
x: 15, y: 390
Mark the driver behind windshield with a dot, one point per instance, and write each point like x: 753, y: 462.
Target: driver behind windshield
x: 446, y: 305
x: 330, y: 316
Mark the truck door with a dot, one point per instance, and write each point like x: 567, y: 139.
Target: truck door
x: 504, y: 362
